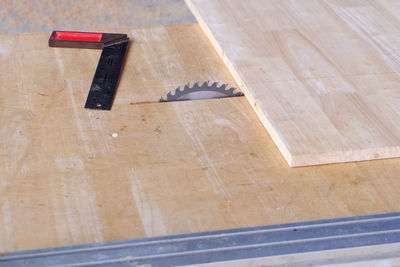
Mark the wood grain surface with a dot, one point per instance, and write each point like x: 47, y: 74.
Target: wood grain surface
x: 72, y: 176
x: 323, y: 76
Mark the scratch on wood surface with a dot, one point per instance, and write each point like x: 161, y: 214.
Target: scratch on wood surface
x: 239, y: 108
x: 16, y: 143
x: 102, y: 135
x: 21, y: 85
x: 78, y: 121
x: 6, y: 225
x: 149, y: 212
x: 187, y: 119
x: 249, y: 176
x: 64, y: 234
x: 162, y: 54
x: 78, y: 196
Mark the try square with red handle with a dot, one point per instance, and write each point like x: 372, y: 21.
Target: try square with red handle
x: 105, y: 81
x: 93, y: 40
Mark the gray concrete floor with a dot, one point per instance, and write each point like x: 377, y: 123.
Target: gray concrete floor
x: 23, y: 16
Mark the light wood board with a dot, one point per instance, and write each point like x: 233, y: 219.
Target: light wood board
x: 173, y: 168
x: 322, y: 75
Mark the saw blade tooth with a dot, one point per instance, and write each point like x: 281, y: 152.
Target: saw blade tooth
x: 223, y: 87
x: 228, y: 92
x: 231, y: 91
x: 169, y: 95
x: 238, y: 93
x: 214, y: 85
x: 196, y: 85
x: 205, y: 84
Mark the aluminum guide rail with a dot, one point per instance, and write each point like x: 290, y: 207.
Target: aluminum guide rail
x: 221, y: 246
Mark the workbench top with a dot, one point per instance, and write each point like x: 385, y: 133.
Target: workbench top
x: 72, y: 176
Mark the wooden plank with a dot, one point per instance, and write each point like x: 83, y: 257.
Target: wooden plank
x: 323, y: 76
x: 173, y: 168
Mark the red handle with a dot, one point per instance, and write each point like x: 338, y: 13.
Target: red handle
x: 78, y: 36
x: 93, y: 40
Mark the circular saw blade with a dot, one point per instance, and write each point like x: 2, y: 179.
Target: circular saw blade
x: 204, y: 91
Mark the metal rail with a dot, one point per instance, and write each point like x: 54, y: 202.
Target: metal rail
x: 222, y: 246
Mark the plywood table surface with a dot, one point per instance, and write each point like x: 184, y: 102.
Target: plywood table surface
x: 323, y: 76
x: 171, y: 168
